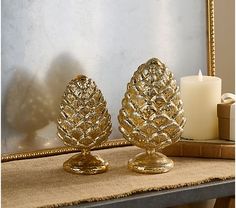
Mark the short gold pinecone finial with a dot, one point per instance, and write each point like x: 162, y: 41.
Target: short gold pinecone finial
x: 84, y: 123
x: 151, y: 116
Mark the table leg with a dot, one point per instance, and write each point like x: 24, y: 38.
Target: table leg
x: 226, y: 202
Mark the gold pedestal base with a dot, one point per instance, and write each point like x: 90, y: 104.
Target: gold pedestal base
x: 85, y: 164
x: 150, y: 163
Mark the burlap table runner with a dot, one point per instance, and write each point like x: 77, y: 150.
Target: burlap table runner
x: 43, y: 183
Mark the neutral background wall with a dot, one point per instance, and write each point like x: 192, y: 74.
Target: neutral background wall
x: 44, y: 46
x: 39, y: 37
x: 225, y: 43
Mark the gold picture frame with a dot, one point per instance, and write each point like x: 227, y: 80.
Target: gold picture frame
x: 122, y: 142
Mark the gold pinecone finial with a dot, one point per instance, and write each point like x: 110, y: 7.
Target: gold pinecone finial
x: 151, y: 116
x: 84, y: 123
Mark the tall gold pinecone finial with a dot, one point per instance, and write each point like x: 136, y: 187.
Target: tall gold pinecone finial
x: 84, y: 123
x: 151, y: 116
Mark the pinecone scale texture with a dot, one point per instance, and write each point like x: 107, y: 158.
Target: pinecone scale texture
x: 152, y: 112
x: 84, y: 121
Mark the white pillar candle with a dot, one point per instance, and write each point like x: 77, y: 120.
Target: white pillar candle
x: 200, y: 96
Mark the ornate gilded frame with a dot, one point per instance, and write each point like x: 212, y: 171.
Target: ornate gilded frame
x: 211, y: 38
x: 122, y: 142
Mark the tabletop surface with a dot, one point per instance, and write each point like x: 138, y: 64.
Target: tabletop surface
x: 42, y: 182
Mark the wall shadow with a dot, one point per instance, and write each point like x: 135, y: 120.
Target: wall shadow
x: 31, y: 105
x: 26, y: 110
x: 63, y: 68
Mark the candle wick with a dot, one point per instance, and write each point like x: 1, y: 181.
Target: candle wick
x: 200, y: 77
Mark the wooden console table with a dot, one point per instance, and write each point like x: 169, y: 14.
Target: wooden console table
x: 223, y: 190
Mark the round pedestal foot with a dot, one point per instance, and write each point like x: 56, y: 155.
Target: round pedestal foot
x: 85, y: 164
x: 150, y: 163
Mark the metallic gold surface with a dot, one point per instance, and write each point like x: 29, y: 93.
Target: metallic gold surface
x: 84, y: 123
x: 211, y: 38
x: 152, y: 116
x: 85, y: 163
x: 59, y: 151
x: 226, y: 150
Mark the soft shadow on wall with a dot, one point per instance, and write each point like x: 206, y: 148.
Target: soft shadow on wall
x: 225, y: 43
x: 32, y: 105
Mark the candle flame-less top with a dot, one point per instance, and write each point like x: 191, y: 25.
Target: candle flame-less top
x: 200, y: 78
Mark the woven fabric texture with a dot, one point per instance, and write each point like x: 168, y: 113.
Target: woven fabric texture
x: 42, y: 182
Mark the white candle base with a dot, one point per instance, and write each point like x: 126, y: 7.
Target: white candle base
x: 200, y: 98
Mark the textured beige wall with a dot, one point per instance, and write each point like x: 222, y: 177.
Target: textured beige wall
x: 225, y: 43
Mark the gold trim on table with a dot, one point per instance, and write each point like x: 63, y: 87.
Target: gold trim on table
x: 208, y: 149
x: 58, y: 151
